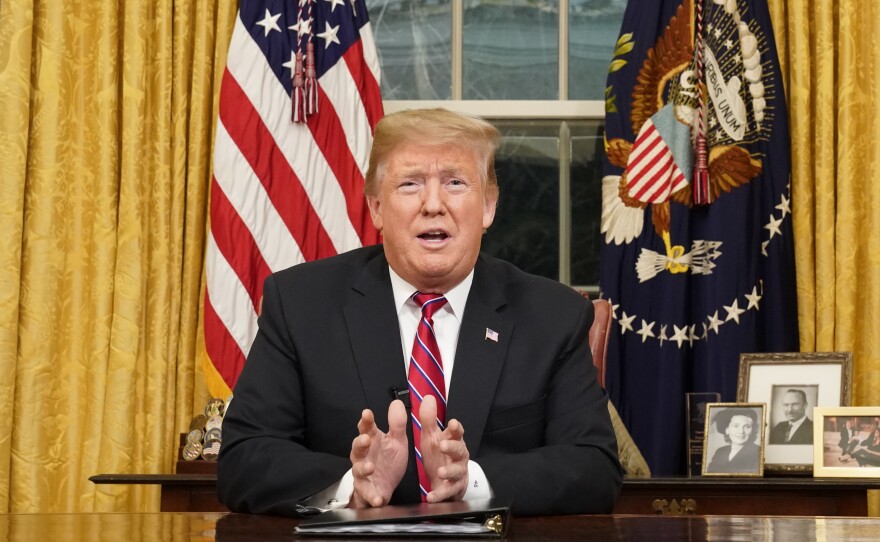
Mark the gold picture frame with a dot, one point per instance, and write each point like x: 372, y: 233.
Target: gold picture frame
x: 850, y: 438
x: 734, y: 440
x: 822, y: 379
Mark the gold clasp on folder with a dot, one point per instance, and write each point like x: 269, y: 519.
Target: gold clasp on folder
x: 495, y: 524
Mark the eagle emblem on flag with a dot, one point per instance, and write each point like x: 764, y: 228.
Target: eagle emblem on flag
x: 689, y: 90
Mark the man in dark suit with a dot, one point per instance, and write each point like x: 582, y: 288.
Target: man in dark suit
x: 526, y: 420
x: 797, y: 427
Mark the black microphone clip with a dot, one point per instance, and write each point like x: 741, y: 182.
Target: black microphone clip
x: 402, y: 394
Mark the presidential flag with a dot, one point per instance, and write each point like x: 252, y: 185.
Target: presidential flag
x: 698, y: 257
x: 299, y: 101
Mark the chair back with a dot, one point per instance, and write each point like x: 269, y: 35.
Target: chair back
x: 598, y: 335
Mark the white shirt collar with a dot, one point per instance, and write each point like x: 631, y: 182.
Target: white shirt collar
x: 456, y: 298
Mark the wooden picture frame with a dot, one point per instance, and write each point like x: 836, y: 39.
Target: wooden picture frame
x: 850, y: 438
x: 782, y: 381
x: 734, y: 440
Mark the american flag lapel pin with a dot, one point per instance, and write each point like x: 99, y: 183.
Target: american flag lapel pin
x: 491, y: 335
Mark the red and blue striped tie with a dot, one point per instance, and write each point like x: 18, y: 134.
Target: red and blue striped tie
x: 426, y: 376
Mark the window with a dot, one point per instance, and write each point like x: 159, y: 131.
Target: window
x: 536, y: 69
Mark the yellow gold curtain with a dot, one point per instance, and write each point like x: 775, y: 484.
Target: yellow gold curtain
x: 106, y: 111
x: 831, y: 67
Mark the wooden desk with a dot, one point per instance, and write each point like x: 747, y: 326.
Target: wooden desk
x: 748, y: 496
x: 740, y: 496
x: 204, y: 527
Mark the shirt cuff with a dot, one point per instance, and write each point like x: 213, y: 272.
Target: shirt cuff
x: 478, y: 486
x: 335, y: 496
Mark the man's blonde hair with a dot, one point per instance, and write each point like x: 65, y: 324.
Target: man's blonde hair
x: 434, y: 127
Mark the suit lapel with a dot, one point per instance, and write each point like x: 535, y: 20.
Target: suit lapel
x: 374, y: 334
x: 478, y: 359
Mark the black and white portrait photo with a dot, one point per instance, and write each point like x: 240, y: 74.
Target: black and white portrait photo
x: 791, y: 414
x: 734, y: 443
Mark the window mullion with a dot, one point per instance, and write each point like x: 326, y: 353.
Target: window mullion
x: 564, y: 203
x: 563, y: 50
x: 457, y: 52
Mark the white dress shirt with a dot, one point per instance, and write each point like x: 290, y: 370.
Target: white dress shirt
x: 447, y: 324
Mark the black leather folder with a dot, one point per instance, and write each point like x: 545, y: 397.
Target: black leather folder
x: 488, y: 518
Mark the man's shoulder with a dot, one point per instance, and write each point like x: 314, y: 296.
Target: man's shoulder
x: 332, y: 266
x: 330, y: 278
x: 521, y: 285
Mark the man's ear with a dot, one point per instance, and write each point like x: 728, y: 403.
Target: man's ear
x: 375, y: 211
x: 489, y: 205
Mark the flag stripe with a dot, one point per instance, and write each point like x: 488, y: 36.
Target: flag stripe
x: 367, y: 85
x: 328, y: 134
x: 657, y: 177
x: 371, y: 61
x: 255, y: 206
x: 237, y: 246
x: 230, y: 299
x: 219, y: 345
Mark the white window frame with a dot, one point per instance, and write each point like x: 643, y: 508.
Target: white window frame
x: 562, y: 109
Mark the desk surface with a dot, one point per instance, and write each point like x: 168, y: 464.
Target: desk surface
x: 204, y: 527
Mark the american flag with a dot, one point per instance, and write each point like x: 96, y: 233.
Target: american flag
x: 284, y: 192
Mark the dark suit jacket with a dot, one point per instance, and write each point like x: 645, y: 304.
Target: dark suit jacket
x: 748, y: 459
x: 803, y: 434
x: 328, y: 346
x: 844, y: 439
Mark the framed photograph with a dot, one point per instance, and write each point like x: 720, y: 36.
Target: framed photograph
x: 850, y: 442
x: 734, y: 444
x: 792, y: 384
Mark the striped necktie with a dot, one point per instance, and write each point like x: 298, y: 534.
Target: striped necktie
x: 426, y: 376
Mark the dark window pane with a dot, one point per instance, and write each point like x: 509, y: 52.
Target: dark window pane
x: 594, y: 26
x: 526, y: 227
x: 510, y: 51
x: 586, y: 200
x: 413, y: 39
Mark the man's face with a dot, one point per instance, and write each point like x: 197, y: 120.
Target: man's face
x: 794, y: 406
x: 432, y: 209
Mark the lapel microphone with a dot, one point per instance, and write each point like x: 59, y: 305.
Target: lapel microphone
x: 402, y: 394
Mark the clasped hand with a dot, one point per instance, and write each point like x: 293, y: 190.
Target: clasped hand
x: 378, y: 459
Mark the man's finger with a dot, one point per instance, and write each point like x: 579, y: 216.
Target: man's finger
x: 454, y: 429
x: 456, y: 450
x: 428, y: 414
x: 365, y: 493
x: 445, y: 492
x: 367, y: 423
x: 397, y: 419
x: 452, y: 472
x: 363, y: 469
x: 360, y: 447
